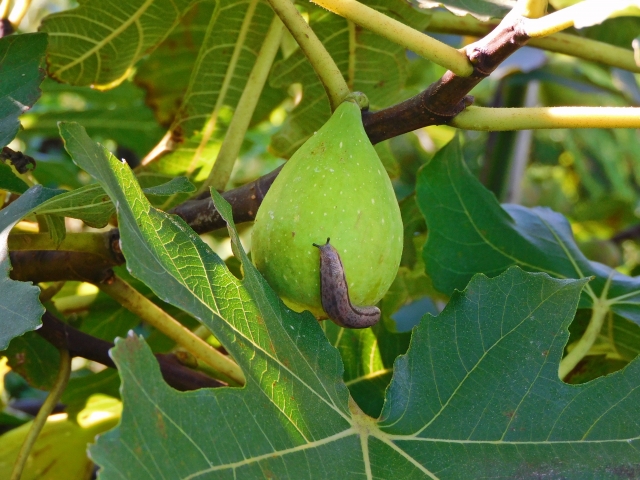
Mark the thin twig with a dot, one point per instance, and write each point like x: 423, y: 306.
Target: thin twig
x: 41, y: 418
x: 81, y: 344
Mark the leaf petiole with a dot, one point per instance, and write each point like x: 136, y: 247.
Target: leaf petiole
x: 41, y: 418
x: 405, y: 36
x: 149, y: 312
x: 324, y: 66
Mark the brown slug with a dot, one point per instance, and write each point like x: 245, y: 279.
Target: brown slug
x: 334, y: 293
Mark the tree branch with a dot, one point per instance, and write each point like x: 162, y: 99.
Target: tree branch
x: 81, y: 344
x: 573, y: 45
x: 447, y: 97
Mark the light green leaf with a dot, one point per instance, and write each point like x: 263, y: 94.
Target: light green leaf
x: 230, y: 47
x: 246, y: 316
x: 56, y: 228
x: 20, y: 309
x: 469, y: 233
x: 173, y: 186
x: 97, y: 43
x: 20, y: 77
x: 165, y: 74
x: 370, y: 64
x: 81, y: 388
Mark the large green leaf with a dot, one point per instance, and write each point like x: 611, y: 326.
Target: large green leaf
x: 20, y: 77
x: 9, y: 181
x: 97, y: 43
x: 234, y: 35
x: 370, y: 64
x: 497, y: 348
x: 469, y: 233
x: 243, y: 315
x: 165, y: 74
x: 20, y: 309
x: 476, y: 396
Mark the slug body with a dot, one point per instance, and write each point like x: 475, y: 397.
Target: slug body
x: 334, y: 293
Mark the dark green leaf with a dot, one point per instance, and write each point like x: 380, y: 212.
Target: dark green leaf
x: 478, y: 393
x: 20, y: 309
x: 472, y: 387
x: 35, y: 359
x: 469, y: 233
x: 20, y: 77
x: 9, y: 181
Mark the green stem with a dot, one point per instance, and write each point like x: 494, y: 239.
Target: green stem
x: 577, y: 15
x: 19, y: 10
x: 585, y: 48
x: 399, y: 33
x: 531, y: 8
x: 41, y: 418
x: 504, y: 119
x: 221, y: 171
x: 150, y: 313
x: 324, y: 66
x: 582, y: 347
x: 87, y: 242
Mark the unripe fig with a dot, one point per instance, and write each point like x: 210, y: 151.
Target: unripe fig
x: 334, y: 187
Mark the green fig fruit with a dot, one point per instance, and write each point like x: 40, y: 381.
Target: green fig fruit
x: 333, y: 187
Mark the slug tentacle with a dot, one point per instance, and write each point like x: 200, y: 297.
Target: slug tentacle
x: 334, y: 293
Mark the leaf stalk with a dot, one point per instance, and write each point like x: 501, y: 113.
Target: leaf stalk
x: 581, y: 348
x: 582, y: 14
x: 405, y: 36
x: 149, y: 312
x: 324, y: 66
x: 41, y: 418
x: 505, y: 119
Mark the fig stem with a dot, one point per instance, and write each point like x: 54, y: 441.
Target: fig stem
x: 324, y: 66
